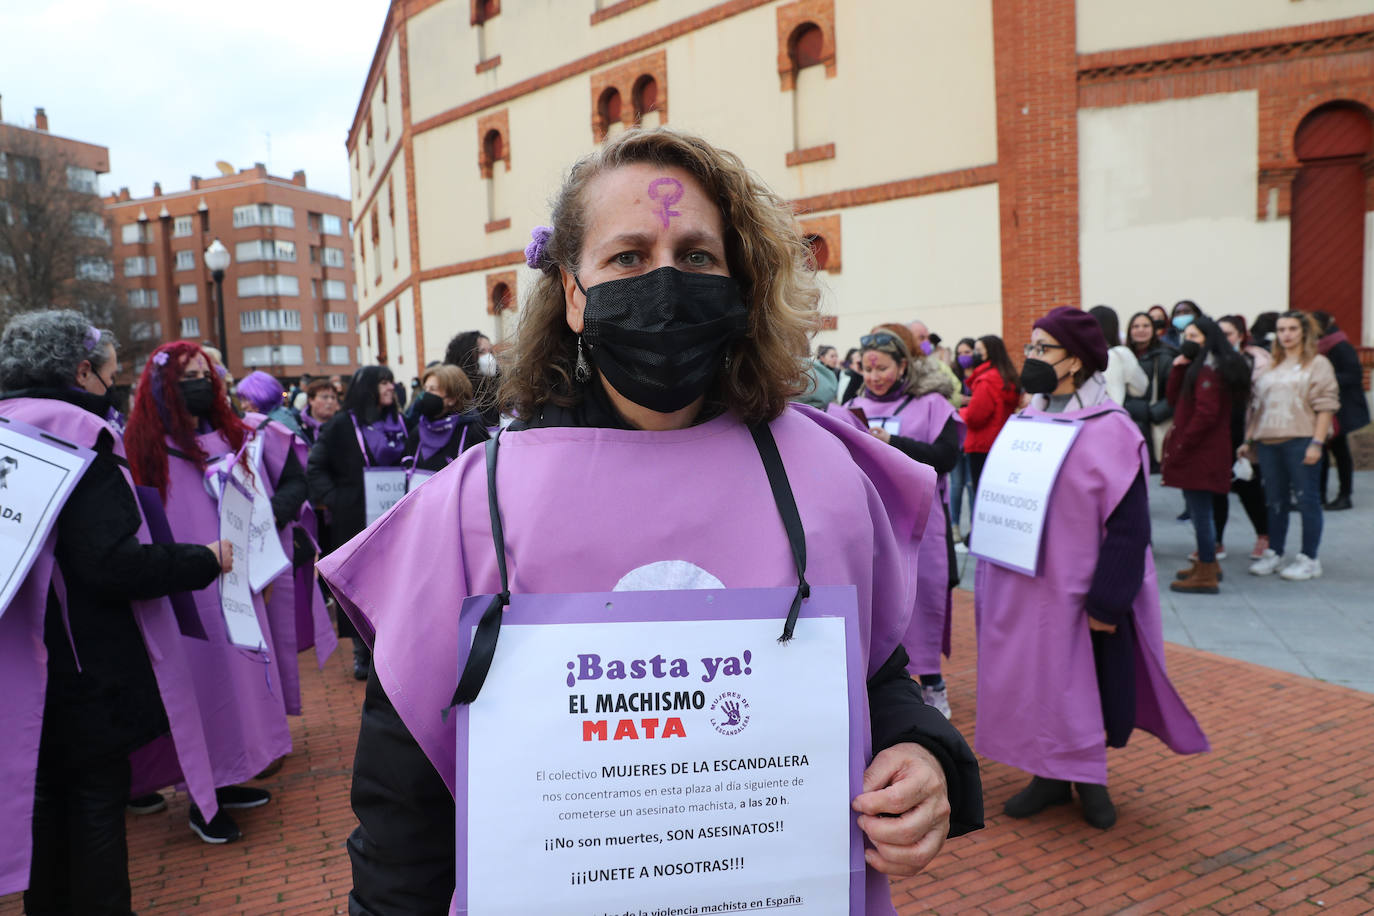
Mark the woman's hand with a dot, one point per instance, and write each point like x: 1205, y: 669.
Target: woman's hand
x: 1244, y: 451
x: 906, y: 783
x: 1100, y: 627
x: 879, y: 433
x: 1181, y: 360
x: 1313, y: 454
x: 224, y: 554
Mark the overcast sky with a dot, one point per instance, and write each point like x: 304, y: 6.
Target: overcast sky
x: 172, y: 86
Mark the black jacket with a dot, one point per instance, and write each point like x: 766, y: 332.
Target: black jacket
x: 334, y: 475
x: 111, y: 706
x: 403, y: 848
x: 1354, y: 410
x: 467, y: 433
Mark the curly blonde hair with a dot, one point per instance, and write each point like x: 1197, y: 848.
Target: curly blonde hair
x: 1310, y: 334
x: 765, y: 254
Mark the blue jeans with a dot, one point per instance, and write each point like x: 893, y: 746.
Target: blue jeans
x: 1282, y: 469
x: 1199, y: 503
x: 959, y: 480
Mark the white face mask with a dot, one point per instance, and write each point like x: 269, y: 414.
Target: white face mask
x: 486, y: 364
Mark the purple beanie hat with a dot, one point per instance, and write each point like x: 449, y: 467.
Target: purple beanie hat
x: 261, y: 390
x: 1077, y: 332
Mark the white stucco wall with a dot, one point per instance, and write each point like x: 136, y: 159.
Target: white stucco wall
x: 1109, y: 24
x: 1167, y: 208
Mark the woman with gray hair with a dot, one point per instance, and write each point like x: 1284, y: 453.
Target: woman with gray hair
x: 81, y: 691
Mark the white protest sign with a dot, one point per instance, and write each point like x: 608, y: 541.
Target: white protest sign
x: 417, y: 478
x: 696, y: 765
x: 1014, y: 491
x: 37, y: 474
x: 893, y: 425
x: 382, y: 489
x: 235, y: 595
x: 265, y: 558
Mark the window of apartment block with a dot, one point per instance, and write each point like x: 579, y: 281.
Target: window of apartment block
x: 269, y: 320
x: 335, y: 289
x: 331, y: 224
x: 190, y: 326
x: 264, y: 215
x: 186, y: 293
x: 312, y: 222
x: 134, y: 233
x: 336, y: 355
x: 92, y: 268
x: 140, y: 266
x: 84, y: 223
x: 4, y: 165
x: 186, y: 259
x: 270, y: 355
x: 145, y: 330
x: 82, y: 180
x: 269, y: 285
x: 336, y: 322
x: 183, y: 226
x: 265, y: 250
x: 24, y: 168
x: 333, y: 257
x: 142, y: 298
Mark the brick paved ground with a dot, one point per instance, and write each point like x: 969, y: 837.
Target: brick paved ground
x: 1277, y: 819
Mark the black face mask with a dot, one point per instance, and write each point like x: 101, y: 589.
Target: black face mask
x: 975, y: 360
x: 659, y: 338
x: 1038, y: 376
x: 1159, y: 324
x: 430, y: 405
x: 198, y: 394
x: 1190, y: 349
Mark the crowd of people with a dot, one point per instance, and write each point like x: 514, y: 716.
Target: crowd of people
x: 644, y: 323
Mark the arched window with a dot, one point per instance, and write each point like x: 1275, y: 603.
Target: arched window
x: 806, y: 47
x: 500, y: 298
x: 493, y: 159
x: 609, y: 112
x: 646, y: 102
x: 811, y: 104
x: 820, y: 252
x: 493, y: 146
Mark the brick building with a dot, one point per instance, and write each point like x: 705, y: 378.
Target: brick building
x: 288, y: 292
x: 972, y: 164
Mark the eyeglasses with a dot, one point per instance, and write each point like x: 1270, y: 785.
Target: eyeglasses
x: 869, y: 341
x: 1039, y: 350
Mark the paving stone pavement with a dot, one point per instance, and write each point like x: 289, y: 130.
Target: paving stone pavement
x: 1278, y: 818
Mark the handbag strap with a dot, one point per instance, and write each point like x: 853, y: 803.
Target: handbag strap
x: 791, y: 519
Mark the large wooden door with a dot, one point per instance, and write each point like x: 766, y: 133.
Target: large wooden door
x: 1326, y: 270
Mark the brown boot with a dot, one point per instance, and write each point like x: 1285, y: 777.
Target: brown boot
x: 1203, y: 580
x: 1183, y: 574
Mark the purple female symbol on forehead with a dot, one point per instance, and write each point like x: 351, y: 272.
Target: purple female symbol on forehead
x: 667, y: 191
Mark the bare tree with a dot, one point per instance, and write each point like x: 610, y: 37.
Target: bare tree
x: 54, y: 241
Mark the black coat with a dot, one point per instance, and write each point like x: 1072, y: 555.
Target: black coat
x: 334, y: 475
x: 1354, y: 411
x: 403, y: 848
x: 466, y: 434
x: 1153, y: 409
x: 112, y: 705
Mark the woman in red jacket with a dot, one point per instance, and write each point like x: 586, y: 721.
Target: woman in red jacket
x: 994, y: 392
x: 1204, y: 379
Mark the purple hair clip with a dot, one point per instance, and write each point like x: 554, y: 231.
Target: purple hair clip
x: 221, y: 371
x: 160, y: 358
x: 92, y: 339
x: 535, y: 255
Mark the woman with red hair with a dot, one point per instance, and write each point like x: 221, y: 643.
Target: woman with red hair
x: 183, y: 438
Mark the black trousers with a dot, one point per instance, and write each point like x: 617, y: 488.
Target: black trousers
x: 1338, y: 447
x: 80, y: 851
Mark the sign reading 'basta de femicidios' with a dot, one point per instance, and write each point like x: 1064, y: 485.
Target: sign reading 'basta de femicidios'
x: 1014, y: 491
x: 641, y: 752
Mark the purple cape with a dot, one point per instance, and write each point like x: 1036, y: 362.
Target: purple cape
x: 23, y: 665
x: 1039, y: 708
x: 928, y: 635
x: 239, y: 694
x: 586, y: 510
x: 295, y: 605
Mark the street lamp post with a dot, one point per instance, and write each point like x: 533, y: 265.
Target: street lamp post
x: 217, y: 259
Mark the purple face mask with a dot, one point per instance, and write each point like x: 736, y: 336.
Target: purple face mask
x: 927, y: 347
x: 966, y: 360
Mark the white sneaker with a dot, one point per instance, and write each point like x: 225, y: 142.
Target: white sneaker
x: 937, y: 697
x: 1267, y: 564
x: 1302, y: 569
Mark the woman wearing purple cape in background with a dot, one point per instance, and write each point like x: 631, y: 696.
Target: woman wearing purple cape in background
x: 182, y: 433
x: 447, y: 424
x: 90, y: 655
x: 907, y: 404
x: 368, y: 432
x: 657, y: 335
x: 1071, y: 661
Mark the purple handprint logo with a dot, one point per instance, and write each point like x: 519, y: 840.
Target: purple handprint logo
x: 729, y: 714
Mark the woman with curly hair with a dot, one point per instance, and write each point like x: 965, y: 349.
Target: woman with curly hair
x: 182, y: 438
x: 906, y: 403
x: 661, y: 342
